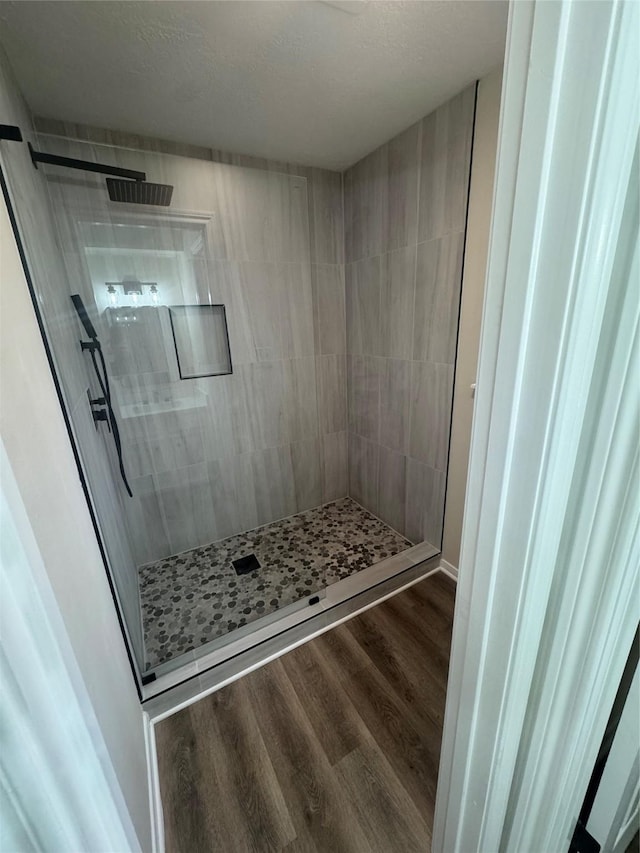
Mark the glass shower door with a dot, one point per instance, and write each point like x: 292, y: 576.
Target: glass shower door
x: 206, y: 323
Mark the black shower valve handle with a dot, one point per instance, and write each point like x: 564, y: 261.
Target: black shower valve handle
x: 99, y: 410
x: 101, y: 415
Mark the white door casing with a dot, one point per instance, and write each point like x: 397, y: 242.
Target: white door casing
x: 548, y: 585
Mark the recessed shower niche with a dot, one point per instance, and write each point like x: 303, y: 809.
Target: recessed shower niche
x: 280, y: 368
x: 201, y: 340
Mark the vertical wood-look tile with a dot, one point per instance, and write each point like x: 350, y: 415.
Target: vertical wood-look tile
x: 264, y: 215
x: 187, y: 507
x: 431, y: 390
x: 264, y: 397
x: 392, y: 488
x: 363, y: 390
x: 300, y: 400
x: 236, y: 283
x: 363, y: 472
x: 187, y: 446
x: 233, y: 494
x: 326, y: 221
x: 438, y: 285
x: 220, y: 435
x: 352, y: 312
x: 367, y: 206
x: 395, y: 404
x: 425, y: 503
x: 258, y: 309
x: 444, y: 172
x: 329, y: 308
x: 295, y: 308
x: 139, y: 458
x: 149, y: 535
x: 275, y: 493
x: 335, y: 473
x: 363, y: 287
x: 397, y: 303
x: 348, y: 199
x: 403, y: 182
x: 332, y: 392
x: 307, y: 473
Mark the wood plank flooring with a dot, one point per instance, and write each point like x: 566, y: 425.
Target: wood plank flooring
x: 332, y: 747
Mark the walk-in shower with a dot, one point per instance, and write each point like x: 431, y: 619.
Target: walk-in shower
x: 256, y: 362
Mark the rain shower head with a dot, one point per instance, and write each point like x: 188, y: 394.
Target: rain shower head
x: 127, y: 185
x: 139, y: 192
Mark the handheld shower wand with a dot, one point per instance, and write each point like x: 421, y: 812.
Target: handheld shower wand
x: 94, y: 347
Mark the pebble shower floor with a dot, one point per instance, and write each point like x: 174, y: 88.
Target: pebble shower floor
x: 196, y: 596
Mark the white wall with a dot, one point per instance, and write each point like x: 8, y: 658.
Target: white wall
x: 475, y: 264
x: 39, y: 452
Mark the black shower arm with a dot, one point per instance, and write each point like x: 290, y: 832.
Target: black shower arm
x: 84, y: 165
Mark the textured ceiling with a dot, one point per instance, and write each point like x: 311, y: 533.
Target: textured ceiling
x: 308, y: 82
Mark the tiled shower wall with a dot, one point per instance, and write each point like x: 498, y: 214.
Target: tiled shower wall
x: 265, y: 447
x: 405, y: 211
x: 405, y: 207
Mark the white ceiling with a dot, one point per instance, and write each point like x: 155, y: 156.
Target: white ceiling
x: 316, y: 83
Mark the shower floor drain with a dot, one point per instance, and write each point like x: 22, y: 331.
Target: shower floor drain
x: 244, y: 565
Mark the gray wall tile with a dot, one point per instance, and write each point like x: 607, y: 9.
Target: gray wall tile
x: 444, y: 168
x: 274, y: 485
x: 233, y: 493
x: 431, y: 392
x: 307, y: 473
x: 366, y: 206
x: 437, y: 302
x: 392, y: 487
x: 363, y: 472
x: 332, y: 392
x: 363, y: 287
x: 296, y: 310
x: 186, y: 503
x: 335, y: 471
x: 425, y: 503
x: 329, y: 308
x: 397, y: 296
x: 403, y: 181
x: 264, y: 397
x: 363, y: 394
x: 405, y: 209
x: 326, y: 220
x: 301, y: 399
x: 395, y: 404
x: 144, y: 516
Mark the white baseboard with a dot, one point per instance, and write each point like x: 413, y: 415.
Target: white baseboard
x: 449, y: 569
x: 155, y: 801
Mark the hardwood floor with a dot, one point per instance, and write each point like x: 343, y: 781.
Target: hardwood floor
x: 332, y: 747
